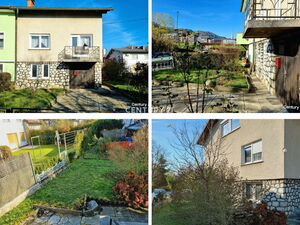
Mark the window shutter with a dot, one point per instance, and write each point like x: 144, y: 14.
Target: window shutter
x: 257, y: 147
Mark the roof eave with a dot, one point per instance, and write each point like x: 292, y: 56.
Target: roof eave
x: 209, y: 125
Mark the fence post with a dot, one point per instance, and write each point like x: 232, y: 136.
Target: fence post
x: 33, y: 169
x: 66, y: 148
x: 58, y: 142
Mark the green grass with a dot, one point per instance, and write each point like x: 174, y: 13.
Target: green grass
x: 126, y: 87
x: 26, y: 98
x: 39, y: 154
x: 223, y: 78
x: 83, y: 177
x: 165, y: 215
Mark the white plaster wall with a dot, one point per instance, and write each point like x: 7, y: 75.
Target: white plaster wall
x: 11, y: 126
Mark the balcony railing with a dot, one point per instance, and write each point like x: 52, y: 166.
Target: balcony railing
x: 79, y: 53
x: 272, y: 10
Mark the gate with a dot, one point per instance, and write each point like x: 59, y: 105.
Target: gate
x: 82, y: 78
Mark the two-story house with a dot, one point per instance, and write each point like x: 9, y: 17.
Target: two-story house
x: 12, y: 133
x: 130, y: 55
x: 58, y: 47
x: 266, y: 152
x: 273, y: 29
x: 7, y: 41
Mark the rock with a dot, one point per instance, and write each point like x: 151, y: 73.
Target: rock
x: 92, y: 205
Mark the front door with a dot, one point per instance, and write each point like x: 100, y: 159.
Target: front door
x: 82, y: 78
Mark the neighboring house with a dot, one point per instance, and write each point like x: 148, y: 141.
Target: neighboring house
x: 130, y: 55
x: 7, y: 41
x: 272, y: 28
x: 266, y: 153
x: 162, y: 61
x: 12, y: 133
x: 58, y: 47
x: 34, y: 124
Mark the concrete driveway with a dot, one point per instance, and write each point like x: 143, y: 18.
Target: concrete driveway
x: 102, y: 100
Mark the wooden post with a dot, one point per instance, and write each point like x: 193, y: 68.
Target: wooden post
x: 58, y: 142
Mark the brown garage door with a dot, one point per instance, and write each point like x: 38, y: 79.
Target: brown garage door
x: 82, y: 78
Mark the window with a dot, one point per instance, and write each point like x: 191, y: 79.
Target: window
x: 1, y: 40
x: 252, y: 153
x: 82, y: 40
x: 40, y: 70
x: 254, y: 191
x: 22, y: 137
x: 228, y: 126
x: 1, y: 67
x: 38, y: 41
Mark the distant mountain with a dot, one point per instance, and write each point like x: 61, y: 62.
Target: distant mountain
x: 209, y: 35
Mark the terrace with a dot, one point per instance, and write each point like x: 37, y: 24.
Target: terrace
x: 79, y: 54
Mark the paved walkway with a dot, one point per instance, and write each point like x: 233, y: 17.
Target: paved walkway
x: 260, y: 102
x: 90, y: 100
x: 119, y: 216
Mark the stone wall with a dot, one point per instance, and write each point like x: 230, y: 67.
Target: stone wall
x: 282, y: 195
x: 265, y: 64
x: 58, y: 76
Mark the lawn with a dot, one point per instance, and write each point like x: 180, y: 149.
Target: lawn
x: 26, y: 98
x: 222, y: 77
x: 83, y: 177
x: 165, y: 215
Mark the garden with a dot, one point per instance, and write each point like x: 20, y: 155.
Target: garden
x: 100, y: 168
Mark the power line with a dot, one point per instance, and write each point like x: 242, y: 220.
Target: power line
x: 127, y: 21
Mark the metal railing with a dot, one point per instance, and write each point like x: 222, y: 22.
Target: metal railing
x: 79, y: 53
x: 272, y: 10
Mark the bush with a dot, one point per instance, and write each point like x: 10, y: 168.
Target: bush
x: 114, y: 70
x: 5, y: 152
x: 72, y: 156
x: 46, y: 164
x: 260, y: 215
x: 78, y: 142
x: 133, y: 190
x: 95, y: 131
x: 5, y: 82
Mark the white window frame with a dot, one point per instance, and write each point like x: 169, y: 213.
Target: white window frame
x: 79, y: 36
x: 3, y: 68
x: 251, y: 145
x: 39, y: 76
x: 3, y: 40
x: 231, y: 129
x: 254, y: 193
x: 40, y: 41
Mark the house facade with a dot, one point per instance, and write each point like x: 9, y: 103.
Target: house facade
x: 7, y: 41
x: 130, y: 55
x: 273, y: 28
x: 12, y: 134
x: 266, y: 153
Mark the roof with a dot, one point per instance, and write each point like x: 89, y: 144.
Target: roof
x: 22, y: 8
x: 137, y: 50
x: 243, y: 5
x: 206, y: 131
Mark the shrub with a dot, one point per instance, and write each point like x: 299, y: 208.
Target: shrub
x: 78, y: 142
x: 5, y: 82
x: 46, y: 164
x: 133, y: 190
x: 260, y: 215
x: 72, y: 156
x: 95, y: 131
x: 114, y: 70
x: 5, y: 152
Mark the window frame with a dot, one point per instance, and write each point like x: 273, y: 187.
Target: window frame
x: 254, y: 194
x: 79, y: 39
x: 229, y: 121
x: 42, y: 69
x: 3, y: 68
x: 3, y: 40
x: 251, y: 152
x: 40, y: 41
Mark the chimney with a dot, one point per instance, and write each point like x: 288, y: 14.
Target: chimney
x: 30, y: 3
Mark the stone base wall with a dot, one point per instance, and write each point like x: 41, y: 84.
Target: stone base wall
x: 282, y: 195
x: 59, y: 76
x: 265, y: 65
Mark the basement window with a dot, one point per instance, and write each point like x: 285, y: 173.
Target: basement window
x: 38, y: 41
x: 1, y: 40
x: 254, y: 192
x: 39, y: 70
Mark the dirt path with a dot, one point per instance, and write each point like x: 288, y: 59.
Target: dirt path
x: 91, y: 101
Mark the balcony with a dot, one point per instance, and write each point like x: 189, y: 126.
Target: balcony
x: 268, y: 18
x: 79, y: 54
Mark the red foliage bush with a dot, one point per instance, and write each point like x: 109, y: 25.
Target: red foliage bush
x: 133, y: 190
x: 122, y: 144
x: 261, y: 215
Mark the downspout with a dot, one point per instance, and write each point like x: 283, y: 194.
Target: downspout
x: 16, y: 43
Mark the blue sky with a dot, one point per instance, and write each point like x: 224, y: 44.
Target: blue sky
x: 222, y: 17
x: 116, y: 35
x: 163, y: 135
